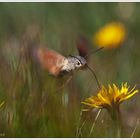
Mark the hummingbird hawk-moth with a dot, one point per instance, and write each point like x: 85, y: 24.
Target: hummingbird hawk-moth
x: 59, y: 65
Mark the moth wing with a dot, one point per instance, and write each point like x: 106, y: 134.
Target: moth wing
x: 82, y: 45
x: 50, y: 60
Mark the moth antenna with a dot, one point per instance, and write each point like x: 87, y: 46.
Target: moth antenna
x: 95, y: 51
x: 97, y: 81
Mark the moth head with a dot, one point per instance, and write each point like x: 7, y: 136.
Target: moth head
x: 80, y: 62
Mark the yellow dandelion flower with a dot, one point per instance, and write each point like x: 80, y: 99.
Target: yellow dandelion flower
x: 109, y: 97
x: 110, y: 36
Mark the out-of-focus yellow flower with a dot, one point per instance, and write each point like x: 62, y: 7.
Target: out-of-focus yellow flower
x: 110, y: 36
x: 110, y: 97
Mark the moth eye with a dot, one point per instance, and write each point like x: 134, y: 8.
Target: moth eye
x: 78, y: 63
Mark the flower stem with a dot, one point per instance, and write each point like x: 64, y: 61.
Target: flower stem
x: 115, y: 115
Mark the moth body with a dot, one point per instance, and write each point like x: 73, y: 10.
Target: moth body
x: 72, y: 63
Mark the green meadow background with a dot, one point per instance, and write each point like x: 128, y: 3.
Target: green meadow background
x: 34, y: 104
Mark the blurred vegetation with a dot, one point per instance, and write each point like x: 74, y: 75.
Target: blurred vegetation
x: 33, y: 105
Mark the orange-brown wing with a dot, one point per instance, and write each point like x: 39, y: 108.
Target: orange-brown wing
x: 50, y: 60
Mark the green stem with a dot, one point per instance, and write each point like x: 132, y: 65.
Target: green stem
x: 115, y: 115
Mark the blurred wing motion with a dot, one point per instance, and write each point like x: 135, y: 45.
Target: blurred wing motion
x: 50, y: 60
x: 83, y: 46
